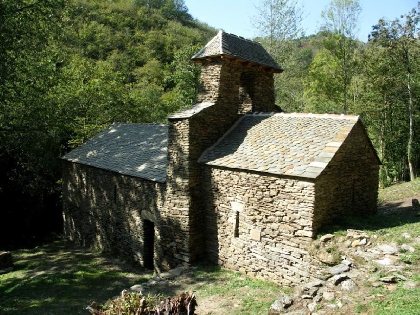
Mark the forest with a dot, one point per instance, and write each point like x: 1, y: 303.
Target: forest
x: 70, y: 68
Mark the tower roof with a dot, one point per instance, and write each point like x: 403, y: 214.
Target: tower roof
x: 225, y: 44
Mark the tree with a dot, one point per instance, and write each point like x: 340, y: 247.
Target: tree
x: 340, y: 20
x: 289, y: 85
x: 278, y: 21
x: 322, y: 89
x: 29, y: 134
x: 401, y: 40
x: 383, y: 110
x: 69, y: 69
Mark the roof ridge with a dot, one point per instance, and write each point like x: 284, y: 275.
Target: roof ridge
x: 116, y: 123
x: 315, y: 115
x: 235, y: 124
x: 240, y: 37
x: 220, y: 34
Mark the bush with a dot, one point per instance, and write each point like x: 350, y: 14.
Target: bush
x: 133, y: 303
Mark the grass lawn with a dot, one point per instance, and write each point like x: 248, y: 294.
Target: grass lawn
x: 400, y: 191
x: 57, y: 278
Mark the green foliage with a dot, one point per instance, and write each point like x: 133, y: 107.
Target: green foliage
x: 340, y: 21
x: 129, y: 303
x: 392, y: 87
x: 323, y: 93
x: 378, y: 81
x: 70, y: 68
x: 289, y: 85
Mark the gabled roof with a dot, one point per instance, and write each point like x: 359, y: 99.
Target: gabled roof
x: 138, y: 150
x: 225, y: 44
x: 299, y: 145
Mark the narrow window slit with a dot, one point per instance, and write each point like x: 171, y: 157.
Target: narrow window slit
x: 115, y: 194
x: 236, y: 231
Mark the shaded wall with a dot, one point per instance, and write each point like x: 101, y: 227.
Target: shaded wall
x: 105, y: 210
x: 349, y: 184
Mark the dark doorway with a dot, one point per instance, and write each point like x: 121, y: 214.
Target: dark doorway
x: 149, y: 241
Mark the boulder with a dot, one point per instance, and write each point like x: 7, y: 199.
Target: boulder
x: 326, y: 237
x: 312, y: 306
x: 356, y: 234
x: 328, y: 296
x: 389, y: 249
x: 280, y: 305
x: 337, y: 279
x: 340, y: 268
x: 385, y: 261
x: 407, y: 248
x: 327, y: 258
x: 348, y: 285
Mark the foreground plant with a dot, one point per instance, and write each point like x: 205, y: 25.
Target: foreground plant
x: 133, y: 303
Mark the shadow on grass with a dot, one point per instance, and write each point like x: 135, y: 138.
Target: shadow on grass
x: 211, y: 280
x: 57, y: 279
x: 390, y: 215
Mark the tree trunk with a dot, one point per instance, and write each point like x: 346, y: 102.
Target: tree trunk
x: 382, y: 144
x: 411, y: 130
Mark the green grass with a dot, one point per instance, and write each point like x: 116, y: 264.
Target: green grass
x: 400, y: 191
x: 250, y: 296
x: 57, y: 279
x: 388, y: 227
x: 399, y: 301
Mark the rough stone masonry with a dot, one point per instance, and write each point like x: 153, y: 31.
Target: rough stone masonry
x: 233, y: 180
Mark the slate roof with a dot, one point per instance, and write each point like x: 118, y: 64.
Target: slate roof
x: 299, y: 145
x: 238, y: 47
x: 191, y: 111
x: 138, y: 150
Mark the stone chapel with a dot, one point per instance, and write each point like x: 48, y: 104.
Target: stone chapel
x: 232, y: 181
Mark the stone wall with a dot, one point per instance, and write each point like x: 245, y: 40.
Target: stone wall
x: 349, y: 184
x: 259, y: 224
x: 106, y: 210
x: 176, y: 212
x: 209, y: 81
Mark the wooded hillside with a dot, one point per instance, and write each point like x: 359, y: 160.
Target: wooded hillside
x: 70, y: 68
